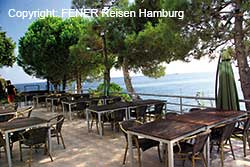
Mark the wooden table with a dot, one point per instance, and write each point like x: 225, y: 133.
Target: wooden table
x: 146, y: 102
x: 22, y: 124
x: 108, y: 108
x: 176, y: 128
x: 71, y: 103
x: 37, y: 97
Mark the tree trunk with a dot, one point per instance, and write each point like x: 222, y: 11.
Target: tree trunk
x: 241, y: 55
x: 128, y: 80
x: 48, y: 85
x: 55, y: 88
x: 78, y: 83
x: 64, y: 83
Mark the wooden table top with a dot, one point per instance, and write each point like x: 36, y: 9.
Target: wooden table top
x: 21, y: 123
x: 166, y: 129
x: 175, y: 126
x: 207, y: 117
x: 114, y: 106
x: 146, y: 102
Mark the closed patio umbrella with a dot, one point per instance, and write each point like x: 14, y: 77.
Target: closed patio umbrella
x: 226, y: 95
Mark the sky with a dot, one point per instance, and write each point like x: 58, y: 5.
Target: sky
x: 16, y: 28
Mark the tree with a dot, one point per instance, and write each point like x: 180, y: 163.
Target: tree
x: 7, y: 46
x: 218, y: 24
x: 85, y: 57
x: 40, y: 50
x: 44, y: 50
x: 71, y: 28
x: 100, y: 30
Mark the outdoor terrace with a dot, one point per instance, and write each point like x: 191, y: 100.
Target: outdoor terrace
x: 85, y: 149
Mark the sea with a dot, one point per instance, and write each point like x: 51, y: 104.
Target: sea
x: 183, y: 84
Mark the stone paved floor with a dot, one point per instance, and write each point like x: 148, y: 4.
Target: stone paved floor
x: 85, y: 149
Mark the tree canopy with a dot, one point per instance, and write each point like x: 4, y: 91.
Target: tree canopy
x: 7, y: 47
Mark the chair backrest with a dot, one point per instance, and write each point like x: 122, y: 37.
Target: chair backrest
x: 35, y: 136
x: 246, y: 125
x: 194, y: 109
x: 114, y: 100
x: 170, y: 114
x: 141, y: 111
x: 119, y: 115
x: 128, y: 124
x: 24, y: 113
x: 2, y: 142
x: 94, y: 102
x: 59, y: 123
x: 159, y: 108
x: 4, y: 118
x: 81, y: 106
x: 200, y: 141
x: 227, y: 131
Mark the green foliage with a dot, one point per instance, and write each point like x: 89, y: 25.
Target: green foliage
x: 208, y: 22
x: 85, y: 56
x: 44, y: 50
x: 115, y: 89
x: 7, y: 46
x: 40, y: 49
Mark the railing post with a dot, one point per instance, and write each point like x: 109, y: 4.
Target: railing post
x: 181, y: 110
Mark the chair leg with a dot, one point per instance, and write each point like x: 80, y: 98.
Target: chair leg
x: 222, y: 154
x: 193, y: 161
x: 230, y: 143
x: 211, y: 147
x: 57, y: 137
x: 125, y: 154
x: 139, y: 156
x: 248, y: 139
x: 244, y: 145
x: 47, y: 151
x: 62, y: 140
x: 159, y: 153
x: 204, y: 160
x: 21, y: 152
x: 31, y: 149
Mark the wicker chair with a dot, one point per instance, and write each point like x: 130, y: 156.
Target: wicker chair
x: 170, y: 114
x: 219, y: 136
x: 25, y: 113
x: 34, y: 138
x: 241, y: 132
x: 2, y: 144
x: 56, y: 125
x: 4, y: 118
x: 138, y: 143
x: 185, y: 149
x: 140, y: 113
x: 157, y: 112
x: 114, y: 100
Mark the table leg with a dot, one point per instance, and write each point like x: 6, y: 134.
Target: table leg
x: 131, y: 155
x: 25, y: 99
x: 63, y: 109
x: 7, y: 141
x: 208, y: 151
x: 37, y: 101
x: 52, y: 105
x: 100, y: 124
x: 87, y: 118
x: 46, y: 103
x: 49, y: 141
x: 129, y: 109
x: 126, y: 114
x: 170, y: 155
x: 70, y: 117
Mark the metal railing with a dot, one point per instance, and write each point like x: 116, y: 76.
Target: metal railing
x: 179, y: 103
